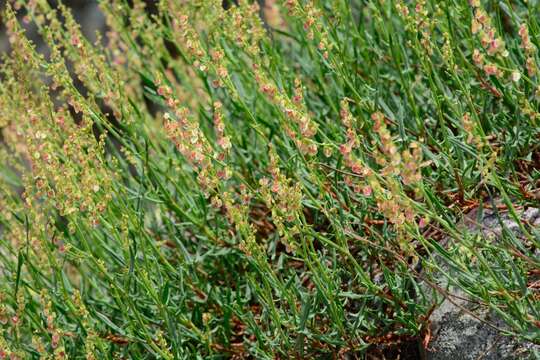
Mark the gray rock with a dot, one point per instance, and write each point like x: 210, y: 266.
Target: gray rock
x: 456, y: 334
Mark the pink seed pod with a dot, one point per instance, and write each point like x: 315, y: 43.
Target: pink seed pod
x: 55, y: 340
x: 367, y: 190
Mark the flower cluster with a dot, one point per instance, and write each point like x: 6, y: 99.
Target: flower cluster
x: 423, y: 23
x: 219, y: 66
x: 406, y: 164
x: 469, y: 128
x: 223, y: 141
x: 247, y: 27
x: 481, y: 25
x: 365, y: 176
x: 529, y: 49
x: 92, y: 338
x: 183, y: 131
x: 194, y: 145
x: 352, y: 142
x: 311, y: 23
x: 282, y: 196
x: 204, y: 59
x: 67, y: 41
x: 273, y: 15
x: 293, y: 109
x: 394, y: 207
x: 55, y: 179
x: 494, y: 46
x: 448, y: 52
x: 411, y: 166
x: 391, y: 159
x: 6, y: 351
x: 55, y: 333
x: 238, y: 214
x: 64, y: 157
x: 188, y: 37
x: 419, y: 22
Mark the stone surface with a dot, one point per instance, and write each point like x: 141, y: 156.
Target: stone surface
x: 458, y: 335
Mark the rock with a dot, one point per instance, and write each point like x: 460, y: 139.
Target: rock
x: 458, y: 335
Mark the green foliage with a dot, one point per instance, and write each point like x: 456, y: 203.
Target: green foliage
x: 284, y: 181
